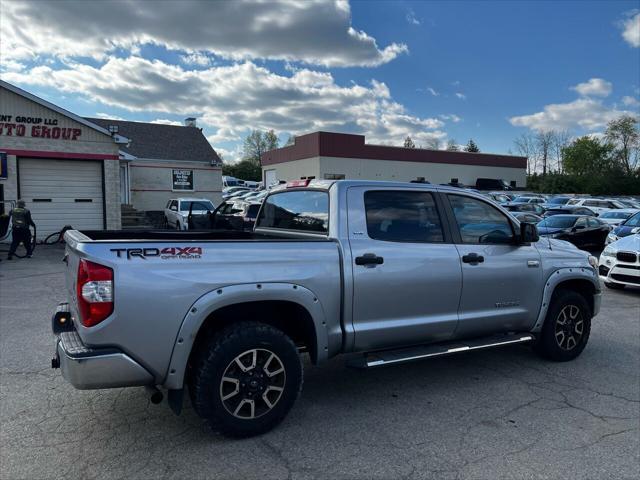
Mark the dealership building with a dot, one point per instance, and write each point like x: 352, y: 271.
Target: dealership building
x: 80, y: 171
x: 335, y: 156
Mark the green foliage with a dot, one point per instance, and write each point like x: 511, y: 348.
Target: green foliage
x: 587, y: 156
x: 471, y: 147
x: 624, y: 136
x: 257, y: 143
x: 245, y: 169
x: 408, y: 143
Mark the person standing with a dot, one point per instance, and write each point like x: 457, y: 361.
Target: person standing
x: 21, y: 219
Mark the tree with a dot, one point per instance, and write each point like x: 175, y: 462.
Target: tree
x: 587, y: 156
x: 525, y: 146
x: 544, y: 141
x: 290, y: 141
x: 433, y: 143
x: 257, y: 143
x: 452, y: 146
x: 244, y: 169
x: 408, y: 143
x: 560, y: 141
x: 623, y: 134
x: 471, y: 147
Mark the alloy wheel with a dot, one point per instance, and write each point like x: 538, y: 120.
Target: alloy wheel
x: 569, y: 327
x: 252, y: 384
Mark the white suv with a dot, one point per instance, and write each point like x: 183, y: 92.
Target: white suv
x: 598, y: 205
x: 177, y: 210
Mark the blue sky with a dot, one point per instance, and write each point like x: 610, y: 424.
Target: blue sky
x: 436, y: 71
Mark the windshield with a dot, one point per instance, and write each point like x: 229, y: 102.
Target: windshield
x: 558, y: 201
x: 633, y: 221
x: 521, y: 200
x: 573, y: 201
x: 558, y: 221
x: 197, y: 205
x: 615, y: 215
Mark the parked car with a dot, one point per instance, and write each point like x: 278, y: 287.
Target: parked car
x: 227, y: 192
x: 258, y: 196
x: 620, y: 263
x: 527, y: 217
x: 597, y: 205
x: 616, y: 217
x: 498, y: 197
x: 235, y: 214
x: 394, y: 271
x: 557, y: 201
x: 177, y: 211
x: 492, y: 184
x: 626, y: 228
x: 535, y: 208
x: 531, y: 199
x: 569, y: 210
x: 629, y: 203
x: 584, y: 232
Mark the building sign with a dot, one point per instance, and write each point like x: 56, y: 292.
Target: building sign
x: 3, y: 165
x: 182, y: 180
x: 36, y: 127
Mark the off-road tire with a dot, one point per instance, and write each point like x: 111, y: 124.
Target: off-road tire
x: 614, y: 286
x: 563, y: 305
x: 215, y: 358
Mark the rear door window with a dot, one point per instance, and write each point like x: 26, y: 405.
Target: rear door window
x: 402, y: 216
x: 300, y: 210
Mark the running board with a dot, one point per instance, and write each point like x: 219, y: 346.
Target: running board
x: 391, y: 357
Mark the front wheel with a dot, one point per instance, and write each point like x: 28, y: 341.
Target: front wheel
x: 567, y: 327
x: 246, y: 379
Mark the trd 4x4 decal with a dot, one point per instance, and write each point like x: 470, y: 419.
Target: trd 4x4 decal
x: 167, y: 253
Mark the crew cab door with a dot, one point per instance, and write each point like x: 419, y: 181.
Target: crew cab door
x: 406, y: 272
x: 502, y: 281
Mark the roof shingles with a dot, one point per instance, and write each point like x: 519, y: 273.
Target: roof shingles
x: 163, y: 142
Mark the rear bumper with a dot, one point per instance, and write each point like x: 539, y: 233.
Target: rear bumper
x: 90, y: 368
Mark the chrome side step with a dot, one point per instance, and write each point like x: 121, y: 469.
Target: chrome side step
x: 391, y: 357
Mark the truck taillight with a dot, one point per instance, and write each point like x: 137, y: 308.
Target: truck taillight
x: 95, y: 292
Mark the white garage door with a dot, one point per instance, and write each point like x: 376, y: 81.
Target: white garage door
x: 62, y: 192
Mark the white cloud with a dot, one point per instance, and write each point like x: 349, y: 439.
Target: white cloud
x: 196, y: 58
x: 631, y: 28
x: 584, y: 113
x: 165, y: 121
x: 451, y: 117
x: 432, y: 91
x: 108, y: 116
x: 314, y: 32
x: 594, y: 87
x: 461, y: 96
x: 412, y: 19
x: 232, y: 99
x: 630, y: 101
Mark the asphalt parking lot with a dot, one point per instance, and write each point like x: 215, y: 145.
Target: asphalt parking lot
x: 493, y: 414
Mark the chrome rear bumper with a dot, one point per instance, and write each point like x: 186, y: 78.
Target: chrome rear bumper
x: 90, y: 368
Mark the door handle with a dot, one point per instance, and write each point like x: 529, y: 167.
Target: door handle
x: 369, y: 259
x: 472, y: 258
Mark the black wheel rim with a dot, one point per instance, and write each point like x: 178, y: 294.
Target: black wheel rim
x: 569, y: 327
x: 252, y: 384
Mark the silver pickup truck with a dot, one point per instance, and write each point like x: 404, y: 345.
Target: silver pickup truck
x: 390, y: 272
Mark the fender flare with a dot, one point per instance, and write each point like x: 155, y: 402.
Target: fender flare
x: 558, y: 276
x: 236, y: 294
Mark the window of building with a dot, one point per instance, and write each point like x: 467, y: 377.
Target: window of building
x: 402, y: 216
x: 479, y: 222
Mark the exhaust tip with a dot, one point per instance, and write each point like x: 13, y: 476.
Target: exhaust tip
x: 155, y: 395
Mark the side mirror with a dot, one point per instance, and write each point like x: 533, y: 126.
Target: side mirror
x: 577, y: 227
x: 528, y: 233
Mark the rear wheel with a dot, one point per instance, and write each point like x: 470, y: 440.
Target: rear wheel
x: 246, y: 379
x: 566, y: 329
x: 614, y: 286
